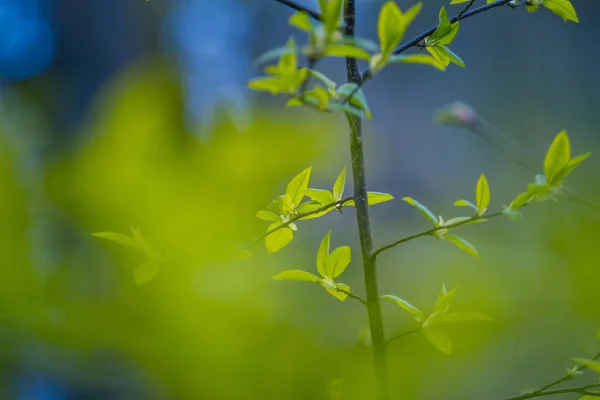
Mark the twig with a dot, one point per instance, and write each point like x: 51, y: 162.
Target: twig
x: 300, y: 216
x: 464, y: 10
x: 434, y: 230
x: 352, y: 295
x: 401, y: 335
x: 298, y: 7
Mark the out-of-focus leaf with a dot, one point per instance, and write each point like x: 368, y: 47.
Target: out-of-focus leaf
x: 462, y: 244
x: 296, y: 275
x: 145, y: 272
x: 438, y: 339
x: 404, y: 304
x: 463, y: 316
x: 422, y: 209
x: 340, y: 295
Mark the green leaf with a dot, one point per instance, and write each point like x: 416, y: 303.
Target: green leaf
x: 296, y: 275
x: 310, y: 206
x: 145, y: 272
x: 242, y: 254
x: 444, y: 299
x: 438, y: 339
x: 562, y: 8
x: 323, y: 78
x: 557, y: 157
x: 301, y: 20
x: 462, y: 244
x: 465, y: 203
x: 445, y: 31
x: 266, y: 84
x: 297, y: 186
x: 337, y: 261
x: 571, y: 165
x: 372, y: 199
x: 119, y: 238
x: 444, y: 55
x: 404, y: 304
x: 424, y: 210
x: 347, y: 51
x: 513, y: 215
x: 323, y: 255
x: 417, y: 59
x: 268, y: 216
x: 482, y: 194
x: 278, y: 239
x: 358, y: 99
x: 330, y: 12
x: 320, y: 195
x: 392, y: 24
x: 337, y: 294
x: 273, y: 54
x: 339, y: 185
x: 593, y: 365
x: 463, y: 316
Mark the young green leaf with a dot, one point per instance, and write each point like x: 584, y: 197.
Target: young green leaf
x: 347, y: 51
x: 340, y: 291
x: 268, y: 216
x: 444, y: 55
x: 562, y: 8
x: 593, y: 365
x: 119, y: 238
x: 462, y: 244
x: 392, y: 23
x: 145, y: 272
x: 444, y: 299
x: 278, y: 239
x: 482, y: 195
x: 463, y: 316
x: 445, y: 31
x: 266, y: 84
x: 296, y: 275
x: 557, y: 157
x: 465, y: 203
x: 571, y: 165
x: 323, y: 255
x: 301, y: 20
x: 297, y: 187
x: 320, y: 195
x: 438, y: 339
x: 373, y: 198
x: 243, y: 254
x: 330, y: 12
x: 339, y: 185
x: 424, y: 210
x: 417, y: 59
x: 329, y: 84
x: 311, y: 206
x: 337, y: 261
x: 405, y: 305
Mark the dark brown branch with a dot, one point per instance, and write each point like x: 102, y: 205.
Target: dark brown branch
x: 298, y: 7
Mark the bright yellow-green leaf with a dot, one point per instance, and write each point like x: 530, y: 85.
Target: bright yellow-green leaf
x: 278, y: 239
x: 296, y: 275
x: 444, y: 55
x: 392, y: 24
x: 562, y: 8
x: 571, y: 165
x: 482, y: 194
x: 557, y: 157
x: 339, y: 185
x: 330, y: 12
x: 462, y: 244
x: 243, y: 254
x: 323, y: 255
x: 340, y: 294
x: 268, y: 216
x: 266, y: 84
x: 297, y: 186
x: 145, y: 272
x: 593, y: 365
x: 347, y: 51
x: 323, y: 78
x: 119, y: 238
x: 337, y: 261
x: 417, y: 59
x: 288, y: 62
x: 320, y: 195
x: 301, y: 20
x: 358, y: 98
x: 438, y: 339
x: 442, y: 304
x: 373, y: 198
x: 463, y: 316
x: 404, y: 304
x: 465, y: 203
x: 424, y: 210
x: 445, y: 31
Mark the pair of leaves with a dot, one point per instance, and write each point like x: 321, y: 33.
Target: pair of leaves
x: 442, y: 228
x: 558, y: 164
x: 391, y: 26
x: 482, y: 197
x: 562, y: 8
x: 436, y: 43
x: 146, y: 270
x: 329, y: 265
x: 282, y: 209
x: 441, y: 314
x: 285, y: 77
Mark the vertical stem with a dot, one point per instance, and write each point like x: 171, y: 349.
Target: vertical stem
x: 364, y: 224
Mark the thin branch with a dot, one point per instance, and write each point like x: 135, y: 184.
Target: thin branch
x: 464, y: 14
x: 352, y: 295
x: 298, y: 7
x: 434, y: 230
x: 296, y: 217
x: 583, y: 390
x: 403, y: 334
x: 564, y: 378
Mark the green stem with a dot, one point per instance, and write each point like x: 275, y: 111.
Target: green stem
x: 364, y: 225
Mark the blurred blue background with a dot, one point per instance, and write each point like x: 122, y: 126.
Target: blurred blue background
x: 116, y: 113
